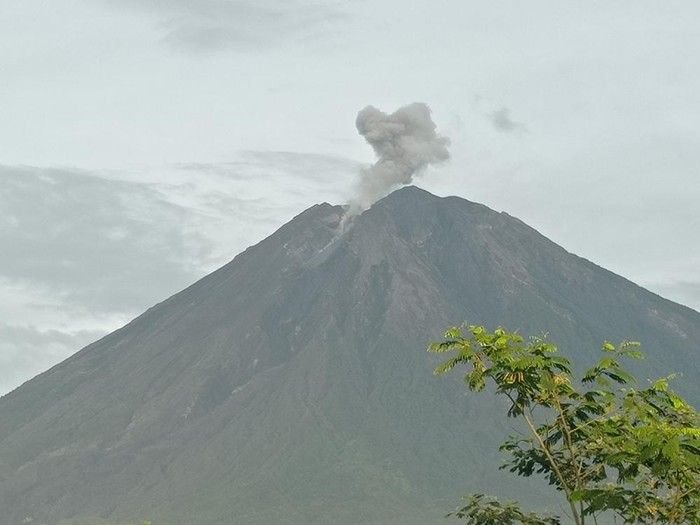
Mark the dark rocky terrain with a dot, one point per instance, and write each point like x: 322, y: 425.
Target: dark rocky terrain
x: 292, y: 385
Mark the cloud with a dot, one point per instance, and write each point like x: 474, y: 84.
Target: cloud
x: 102, y: 244
x: 26, y: 350
x: 405, y: 143
x: 502, y: 121
x: 324, y: 169
x: 203, y: 26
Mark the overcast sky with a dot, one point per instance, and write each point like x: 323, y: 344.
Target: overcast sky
x: 143, y: 143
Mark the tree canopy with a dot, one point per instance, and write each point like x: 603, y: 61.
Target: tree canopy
x: 610, y: 446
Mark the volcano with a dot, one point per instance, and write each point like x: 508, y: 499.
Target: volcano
x: 292, y: 385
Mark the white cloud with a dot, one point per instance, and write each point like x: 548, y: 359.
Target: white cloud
x: 100, y: 243
x: 203, y: 26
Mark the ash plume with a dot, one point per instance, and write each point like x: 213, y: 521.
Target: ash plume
x: 405, y: 143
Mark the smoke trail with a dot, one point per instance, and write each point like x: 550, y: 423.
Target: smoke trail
x: 405, y: 143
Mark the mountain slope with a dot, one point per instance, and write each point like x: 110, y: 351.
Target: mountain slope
x: 292, y: 385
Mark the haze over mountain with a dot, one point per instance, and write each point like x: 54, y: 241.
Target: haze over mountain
x: 292, y: 385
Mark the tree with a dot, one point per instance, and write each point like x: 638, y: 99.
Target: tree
x: 608, y: 446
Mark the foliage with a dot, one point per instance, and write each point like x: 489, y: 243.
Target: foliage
x: 481, y: 510
x: 606, y: 444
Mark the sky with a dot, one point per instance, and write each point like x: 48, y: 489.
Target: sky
x: 144, y: 143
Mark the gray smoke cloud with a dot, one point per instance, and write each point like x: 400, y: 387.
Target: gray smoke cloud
x: 405, y: 143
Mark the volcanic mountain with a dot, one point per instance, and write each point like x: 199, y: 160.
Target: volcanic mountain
x: 292, y: 385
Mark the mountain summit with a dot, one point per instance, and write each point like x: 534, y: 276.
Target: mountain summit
x: 292, y: 385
